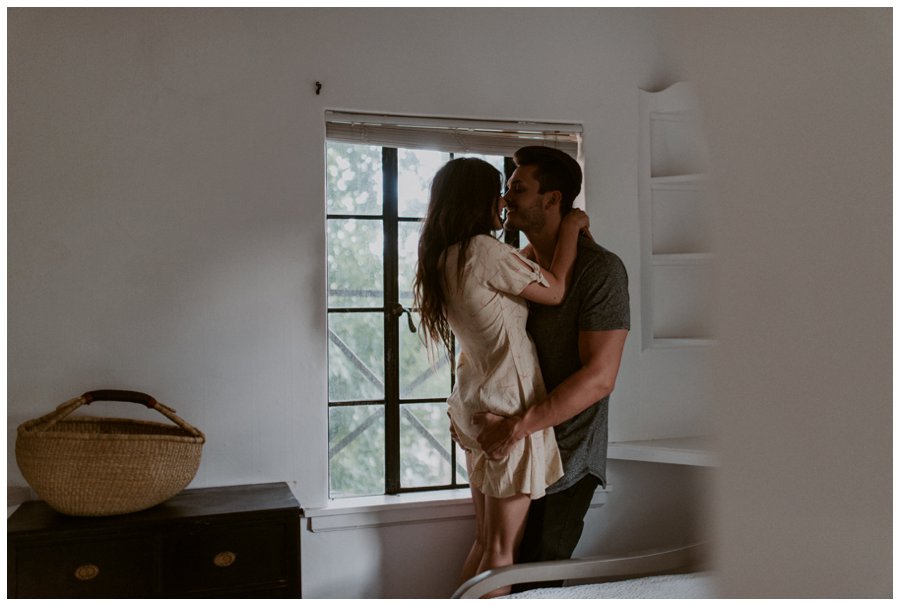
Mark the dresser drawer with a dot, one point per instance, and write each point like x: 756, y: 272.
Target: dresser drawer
x: 97, y: 568
x: 219, y: 542
x: 218, y: 556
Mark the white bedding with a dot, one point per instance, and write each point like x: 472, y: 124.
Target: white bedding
x: 673, y: 586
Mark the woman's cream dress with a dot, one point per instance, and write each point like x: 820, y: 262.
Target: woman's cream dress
x: 497, y: 368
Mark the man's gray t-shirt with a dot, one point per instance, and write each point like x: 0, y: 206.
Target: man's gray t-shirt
x: 597, y: 300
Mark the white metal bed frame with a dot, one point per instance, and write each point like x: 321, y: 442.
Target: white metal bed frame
x: 587, y: 570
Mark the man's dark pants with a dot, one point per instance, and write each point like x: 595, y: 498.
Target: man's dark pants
x: 554, y: 526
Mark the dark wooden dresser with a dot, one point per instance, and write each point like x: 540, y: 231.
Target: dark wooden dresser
x: 236, y: 541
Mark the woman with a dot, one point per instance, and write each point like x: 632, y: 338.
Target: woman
x: 475, y: 287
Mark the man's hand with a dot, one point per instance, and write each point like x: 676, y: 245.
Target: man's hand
x: 498, y: 434
x: 601, y: 352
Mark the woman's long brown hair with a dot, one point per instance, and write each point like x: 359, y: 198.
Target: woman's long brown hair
x: 463, y: 204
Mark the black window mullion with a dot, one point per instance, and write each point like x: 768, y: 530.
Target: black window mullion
x: 391, y: 332
x: 452, y: 353
x: 352, y: 403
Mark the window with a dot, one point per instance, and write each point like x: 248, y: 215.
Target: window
x: 388, y: 426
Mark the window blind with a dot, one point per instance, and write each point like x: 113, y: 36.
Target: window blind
x: 449, y: 134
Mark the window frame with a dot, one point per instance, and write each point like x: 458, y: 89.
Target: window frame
x: 392, y: 309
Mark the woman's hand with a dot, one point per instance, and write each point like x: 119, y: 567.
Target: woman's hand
x: 577, y: 220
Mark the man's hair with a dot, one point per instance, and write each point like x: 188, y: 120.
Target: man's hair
x: 555, y: 171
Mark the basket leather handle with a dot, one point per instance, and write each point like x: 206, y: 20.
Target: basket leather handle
x: 47, y: 421
x: 119, y: 395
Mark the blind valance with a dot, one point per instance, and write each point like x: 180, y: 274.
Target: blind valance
x: 451, y: 135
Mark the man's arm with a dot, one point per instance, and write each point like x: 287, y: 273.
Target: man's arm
x: 601, y: 355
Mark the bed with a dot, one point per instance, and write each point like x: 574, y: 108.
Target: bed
x: 671, y: 573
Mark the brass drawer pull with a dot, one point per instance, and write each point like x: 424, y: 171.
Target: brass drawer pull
x: 87, y: 572
x: 224, y: 559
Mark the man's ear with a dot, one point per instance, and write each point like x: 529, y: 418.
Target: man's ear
x: 552, y: 198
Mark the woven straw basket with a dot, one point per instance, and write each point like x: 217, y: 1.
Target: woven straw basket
x: 90, y: 466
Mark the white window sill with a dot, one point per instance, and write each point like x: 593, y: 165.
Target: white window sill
x: 392, y: 510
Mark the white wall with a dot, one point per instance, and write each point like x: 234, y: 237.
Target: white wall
x: 798, y: 114
x: 647, y: 507
x: 166, y: 216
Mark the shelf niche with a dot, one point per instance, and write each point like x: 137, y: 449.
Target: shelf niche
x: 676, y: 228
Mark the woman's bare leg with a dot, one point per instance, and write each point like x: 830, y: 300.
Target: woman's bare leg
x: 473, y: 560
x: 504, y: 523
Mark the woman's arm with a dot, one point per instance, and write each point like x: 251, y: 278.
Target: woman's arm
x: 528, y: 252
x: 560, y: 273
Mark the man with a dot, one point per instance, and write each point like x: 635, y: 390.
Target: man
x: 579, y: 345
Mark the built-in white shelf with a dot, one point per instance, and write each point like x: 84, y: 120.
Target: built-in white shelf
x: 676, y: 222
x: 697, y: 451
